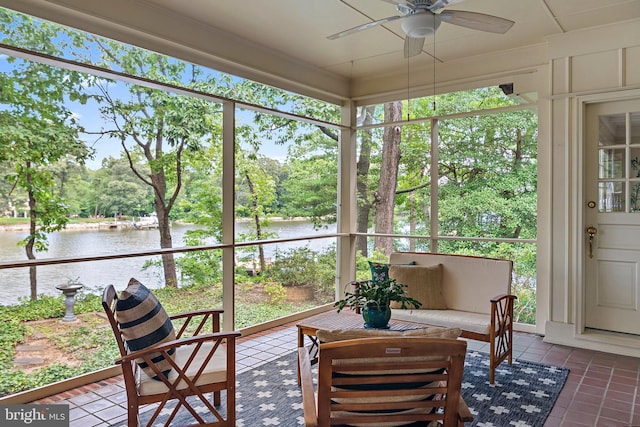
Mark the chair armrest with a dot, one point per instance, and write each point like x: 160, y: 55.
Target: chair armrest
x: 166, y: 346
x: 464, y: 414
x: 502, y: 314
x: 198, y: 319
x: 308, y: 394
x: 197, y: 313
x: 500, y: 297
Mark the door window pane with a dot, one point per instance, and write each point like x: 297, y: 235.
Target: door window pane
x: 611, y: 196
x: 611, y: 163
x: 612, y: 130
x: 635, y: 128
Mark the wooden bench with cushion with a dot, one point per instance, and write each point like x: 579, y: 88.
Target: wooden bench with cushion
x: 466, y: 292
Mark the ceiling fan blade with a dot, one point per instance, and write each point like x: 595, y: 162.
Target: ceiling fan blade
x: 363, y: 27
x: 413, y: 46
x: 476, y: 21
x: 396, y: 2
x: 439, y: 4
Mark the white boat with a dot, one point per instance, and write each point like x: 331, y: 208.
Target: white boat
x: 145, y: 222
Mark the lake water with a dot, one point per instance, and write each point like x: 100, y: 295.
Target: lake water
x: 95, y: 275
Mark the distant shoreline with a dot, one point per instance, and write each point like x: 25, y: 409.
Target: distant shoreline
x: 103, y: 224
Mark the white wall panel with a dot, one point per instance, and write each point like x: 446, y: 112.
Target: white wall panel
x: 594, y: 71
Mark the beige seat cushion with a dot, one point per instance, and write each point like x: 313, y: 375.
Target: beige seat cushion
x: 471, y: 322
x: 215, y: 371
x: 422, y: 283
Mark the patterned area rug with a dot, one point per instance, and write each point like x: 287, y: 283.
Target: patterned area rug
x: 522, y: 396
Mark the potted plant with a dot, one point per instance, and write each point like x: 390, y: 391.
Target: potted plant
x: 373, y: 298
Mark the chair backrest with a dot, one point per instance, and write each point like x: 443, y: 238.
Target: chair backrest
x: 109, y: 300
x: 390, y: 381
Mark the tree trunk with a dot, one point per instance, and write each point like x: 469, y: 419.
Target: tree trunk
x: 412, y: 220
x: 385, y: 196
x: 33, y: 280
x: 362, y: 190
x: 256, y: 219
x: 164, y: 227
x: 168, y: 261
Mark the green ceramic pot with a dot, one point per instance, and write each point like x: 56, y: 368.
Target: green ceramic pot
x: 376, y: 316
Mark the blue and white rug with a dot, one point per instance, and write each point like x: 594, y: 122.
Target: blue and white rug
x: 522, y: 396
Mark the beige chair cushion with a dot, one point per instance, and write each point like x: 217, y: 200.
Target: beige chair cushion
x: 215, y: 371
x: 422, y: 283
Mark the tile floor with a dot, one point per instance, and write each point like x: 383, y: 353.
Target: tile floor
x: 602, y: 389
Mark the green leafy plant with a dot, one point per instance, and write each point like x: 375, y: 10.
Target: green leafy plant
x: 295, y: 267
x: 379, y: 293
x: 277, y: 293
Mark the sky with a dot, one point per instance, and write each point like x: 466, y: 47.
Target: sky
x: 104, y: 147
x: 90, y: 118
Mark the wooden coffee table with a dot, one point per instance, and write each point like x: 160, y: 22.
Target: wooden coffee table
x: 346, y: 319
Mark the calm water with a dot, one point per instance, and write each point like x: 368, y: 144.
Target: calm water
x: 14, y: 283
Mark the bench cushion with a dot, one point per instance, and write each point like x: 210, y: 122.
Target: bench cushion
x: 422, y: 283
x: 467, y: 321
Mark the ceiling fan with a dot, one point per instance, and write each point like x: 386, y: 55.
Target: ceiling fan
x: 421, y: 18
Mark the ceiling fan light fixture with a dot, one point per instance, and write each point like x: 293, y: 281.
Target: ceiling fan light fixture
x: 420, y: 25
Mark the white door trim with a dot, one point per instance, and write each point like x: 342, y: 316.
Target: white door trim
x: 578, y: 201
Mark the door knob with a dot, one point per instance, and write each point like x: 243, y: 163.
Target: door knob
x: 591, y: 231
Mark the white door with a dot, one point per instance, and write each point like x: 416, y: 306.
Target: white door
x: 612, y: 216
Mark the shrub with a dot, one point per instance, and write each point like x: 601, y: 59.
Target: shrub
x: 295, y: 267
x: 277, y: 293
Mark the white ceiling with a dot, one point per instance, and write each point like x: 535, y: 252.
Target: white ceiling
x: 292, y: 34
x: 299, y: 28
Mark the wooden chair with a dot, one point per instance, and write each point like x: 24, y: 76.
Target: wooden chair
x: 203, y: 363
x: 393, y: 381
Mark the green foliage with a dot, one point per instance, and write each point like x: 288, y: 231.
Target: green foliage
x: 378, y: 293
x: 311, y: 188
x: 295, y: 267
x: 199, y: 267
x: 11, y: 334
x: 46, y: 307
x: 326, y: 269
x: 115, y: 190
x: 37, y: 127
x: 253, y: 314
x: 14, y: 381
x: 277, y: 293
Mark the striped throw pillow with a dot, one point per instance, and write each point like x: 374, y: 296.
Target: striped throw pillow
x: 143, y: 323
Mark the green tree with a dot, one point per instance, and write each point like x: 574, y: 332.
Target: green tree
x: 310, y: 188
x: 260, y: 191
x: 118, y: 191
x: 73, y: 183
x: 160, y: 127
x: 201, y: 204
x: 37, y: 128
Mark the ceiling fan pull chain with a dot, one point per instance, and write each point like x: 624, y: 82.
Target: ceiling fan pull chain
x: 434, y: 66
x: 408, y: 89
